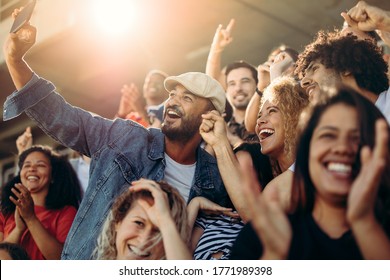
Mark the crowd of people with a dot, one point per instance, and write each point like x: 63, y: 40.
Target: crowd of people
x: 287, y: 160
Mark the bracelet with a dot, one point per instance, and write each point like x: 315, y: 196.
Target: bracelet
x: 259, y: 92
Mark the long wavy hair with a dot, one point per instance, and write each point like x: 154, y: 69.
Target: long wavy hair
x: 106, y: 246
x: 303, y: 190
x: 64, y: 189
x: 288, y: 95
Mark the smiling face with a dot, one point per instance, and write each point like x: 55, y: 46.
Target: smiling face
x: 35, y: 173
x: 240, y: 87
x: 182, y: 114
x: 333, y: 150
x: 134, y: 236
x: 153, y: 89
x: 317, y: 78
x: 270, y: 130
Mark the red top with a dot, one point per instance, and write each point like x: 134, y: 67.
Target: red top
x: 56, y: 222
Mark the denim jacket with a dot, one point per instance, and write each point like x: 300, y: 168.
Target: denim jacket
x: 122, y: 151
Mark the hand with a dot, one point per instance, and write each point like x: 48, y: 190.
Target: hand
x: 263, y: 75
x: 24, y: 141
x: 213, y: 128
x: 210, y: 208
x: 367, y: 18
x: 364, y: 190
x: 131, y: 101
x: 270, y: 223
x: 281, y: 65
x: 222, y: 37
x: 20, y: 225
x: 17, y: 44
x: 24, y: 202
x: 159, y: 211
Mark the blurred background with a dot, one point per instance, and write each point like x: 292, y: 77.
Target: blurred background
x: 90, y: 48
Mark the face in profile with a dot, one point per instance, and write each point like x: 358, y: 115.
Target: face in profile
x: 35, y: 173
x: 270, y: 130
x: 333, y: 151
x: 134, y: 236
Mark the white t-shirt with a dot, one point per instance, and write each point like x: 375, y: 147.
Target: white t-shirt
x: 383, y: 104
x: 179, y: 176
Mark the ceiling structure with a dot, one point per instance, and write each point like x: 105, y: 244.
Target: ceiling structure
x: 89, y: 67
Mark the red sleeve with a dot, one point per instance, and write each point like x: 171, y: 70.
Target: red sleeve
x: 64, y: 222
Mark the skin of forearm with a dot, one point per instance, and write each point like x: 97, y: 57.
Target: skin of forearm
x: 213, y: 65
x: 175, y: 247
x: 371, y: 239
x: 229, y: 168
x: 251, y: 113
x: 20, y: 72
x: 14, y: 236
x: 49, y: 246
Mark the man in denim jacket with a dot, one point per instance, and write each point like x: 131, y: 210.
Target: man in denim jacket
x: 121, y: 151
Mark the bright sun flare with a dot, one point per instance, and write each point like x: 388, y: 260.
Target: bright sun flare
x: 115, y: 17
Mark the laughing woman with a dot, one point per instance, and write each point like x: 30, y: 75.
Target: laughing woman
x: 146, y: 222
x: 38, y: 206
x: 341, y: 190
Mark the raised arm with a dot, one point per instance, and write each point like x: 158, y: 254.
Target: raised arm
x: 221, y: 39
x: 213, y: 131
x: 369, y: 18
x: 368, y: 232
x: 263, y: 74
x: 15, y: 47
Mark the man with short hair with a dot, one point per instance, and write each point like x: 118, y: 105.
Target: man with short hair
x: 121, y: 151
x: 241, y: 82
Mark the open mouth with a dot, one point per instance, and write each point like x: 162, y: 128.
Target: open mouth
x: 339, y: 168
x: 137, y: 252
x: 265, y: 133
x: 32, y: 178
x: 173, y: 114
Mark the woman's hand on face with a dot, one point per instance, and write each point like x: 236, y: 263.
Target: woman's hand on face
x: 24, y: 202
x: 158, y: 211
x: 364, y: 190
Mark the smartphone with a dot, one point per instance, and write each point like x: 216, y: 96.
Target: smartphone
x: 23, y: 17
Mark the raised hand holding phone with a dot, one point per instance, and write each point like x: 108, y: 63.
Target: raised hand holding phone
x: 23, y: 16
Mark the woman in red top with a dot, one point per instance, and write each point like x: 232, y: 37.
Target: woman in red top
x: 38, y: 206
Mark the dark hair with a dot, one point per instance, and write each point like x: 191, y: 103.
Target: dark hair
x: 361, y: 58
x: 15, y: 251
x: 303, y: 191
x: 64, y: 189
x: 242, y: 64
x: 261, y: 162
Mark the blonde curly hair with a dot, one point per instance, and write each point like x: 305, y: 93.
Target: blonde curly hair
x: 286, y: 93
x: 106, y: 246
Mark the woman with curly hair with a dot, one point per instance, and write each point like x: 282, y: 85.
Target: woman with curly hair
x: 341, y: 189
x: 146, y: 222
x: 38, y: 205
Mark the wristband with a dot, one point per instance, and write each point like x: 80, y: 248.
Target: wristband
x: 259, y: 92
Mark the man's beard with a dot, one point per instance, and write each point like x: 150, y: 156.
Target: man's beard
x: 183, y: 133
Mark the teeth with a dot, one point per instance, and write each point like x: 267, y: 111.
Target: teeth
x: 32, y: 177
x: 138, y: 252
x: 266, y: 130
x: 172, y: 112
x: 339, y: 167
